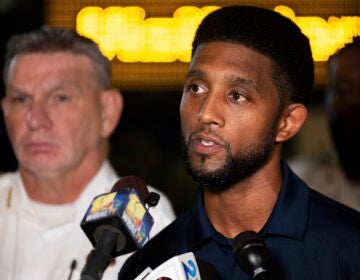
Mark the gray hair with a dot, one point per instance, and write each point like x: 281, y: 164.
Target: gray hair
x: 51, y: 40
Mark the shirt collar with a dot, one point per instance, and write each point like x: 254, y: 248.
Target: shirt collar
x: 289, y: 216
x: 201, y: 230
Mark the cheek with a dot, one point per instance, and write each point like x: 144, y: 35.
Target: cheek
x: 243, y: 130
x: 85, y: 130
x: 188, y: 121
x: 15, y: 126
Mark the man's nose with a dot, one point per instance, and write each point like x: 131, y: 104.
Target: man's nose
x: 211, y: 111
x: 37, y: 117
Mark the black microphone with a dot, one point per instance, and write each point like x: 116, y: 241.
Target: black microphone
x: 117, y: 223
x: 251, y: 254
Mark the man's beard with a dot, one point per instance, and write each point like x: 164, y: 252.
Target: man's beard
x: 236, y: 167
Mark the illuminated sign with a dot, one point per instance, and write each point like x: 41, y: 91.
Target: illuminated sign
x: 325, y: 36
x: 125, y: 33
x: 149, y: 42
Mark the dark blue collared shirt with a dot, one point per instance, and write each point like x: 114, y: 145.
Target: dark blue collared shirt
x: 308, y: 236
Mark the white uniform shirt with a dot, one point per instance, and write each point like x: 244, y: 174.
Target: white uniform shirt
x: 40, y: 241
x: 325, y: 175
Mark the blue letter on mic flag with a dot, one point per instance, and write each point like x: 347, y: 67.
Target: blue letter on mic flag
x: 190, y: 269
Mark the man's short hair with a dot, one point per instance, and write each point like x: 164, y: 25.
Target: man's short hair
x: 55, y: 39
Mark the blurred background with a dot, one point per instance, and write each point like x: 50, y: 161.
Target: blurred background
x: 148, y: 43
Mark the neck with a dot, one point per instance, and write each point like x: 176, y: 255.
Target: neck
x: 246, y: 205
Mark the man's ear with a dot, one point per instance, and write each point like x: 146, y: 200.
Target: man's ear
x: 112, y: 106
x: 291, y: 121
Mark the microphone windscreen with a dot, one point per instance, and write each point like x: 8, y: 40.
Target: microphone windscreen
x: 134, y: 182
x: 251, y: 253
x: 245, y: 238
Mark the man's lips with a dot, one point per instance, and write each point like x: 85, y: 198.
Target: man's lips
x: 39, y: 146
x: 206, y: 144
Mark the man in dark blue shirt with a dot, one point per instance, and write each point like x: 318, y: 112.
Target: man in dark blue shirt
x: 246, y: 92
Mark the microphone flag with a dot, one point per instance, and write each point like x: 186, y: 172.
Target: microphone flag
x: 121, y: 211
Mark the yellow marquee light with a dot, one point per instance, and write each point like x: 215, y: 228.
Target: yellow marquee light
x: 325, y: 36
x: 126, y: 34
x: 117, y: 30
x: 159, y: 40
x: 123, y: 32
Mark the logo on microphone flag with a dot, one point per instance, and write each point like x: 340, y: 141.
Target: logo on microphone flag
x: 125, y: 209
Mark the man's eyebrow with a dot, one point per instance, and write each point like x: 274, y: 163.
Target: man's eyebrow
x: 233, y: 79
x: 14, y: 90
x: 243, y: 81
x: 195, y: 73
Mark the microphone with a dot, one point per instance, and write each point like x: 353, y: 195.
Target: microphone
x: 181, y: 267
x: 117, y: 223
x: 251, y: 254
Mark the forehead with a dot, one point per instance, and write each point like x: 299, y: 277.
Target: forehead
x: 47, y: 71
x: 230, y: 54
x: 231, y: 60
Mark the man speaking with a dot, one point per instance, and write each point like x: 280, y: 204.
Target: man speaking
x: 246, y: 92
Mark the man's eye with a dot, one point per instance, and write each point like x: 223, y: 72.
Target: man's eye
x: 236, y: 96
x: 20, y: 99
x: 62, y: 97
x: 196, y: 89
